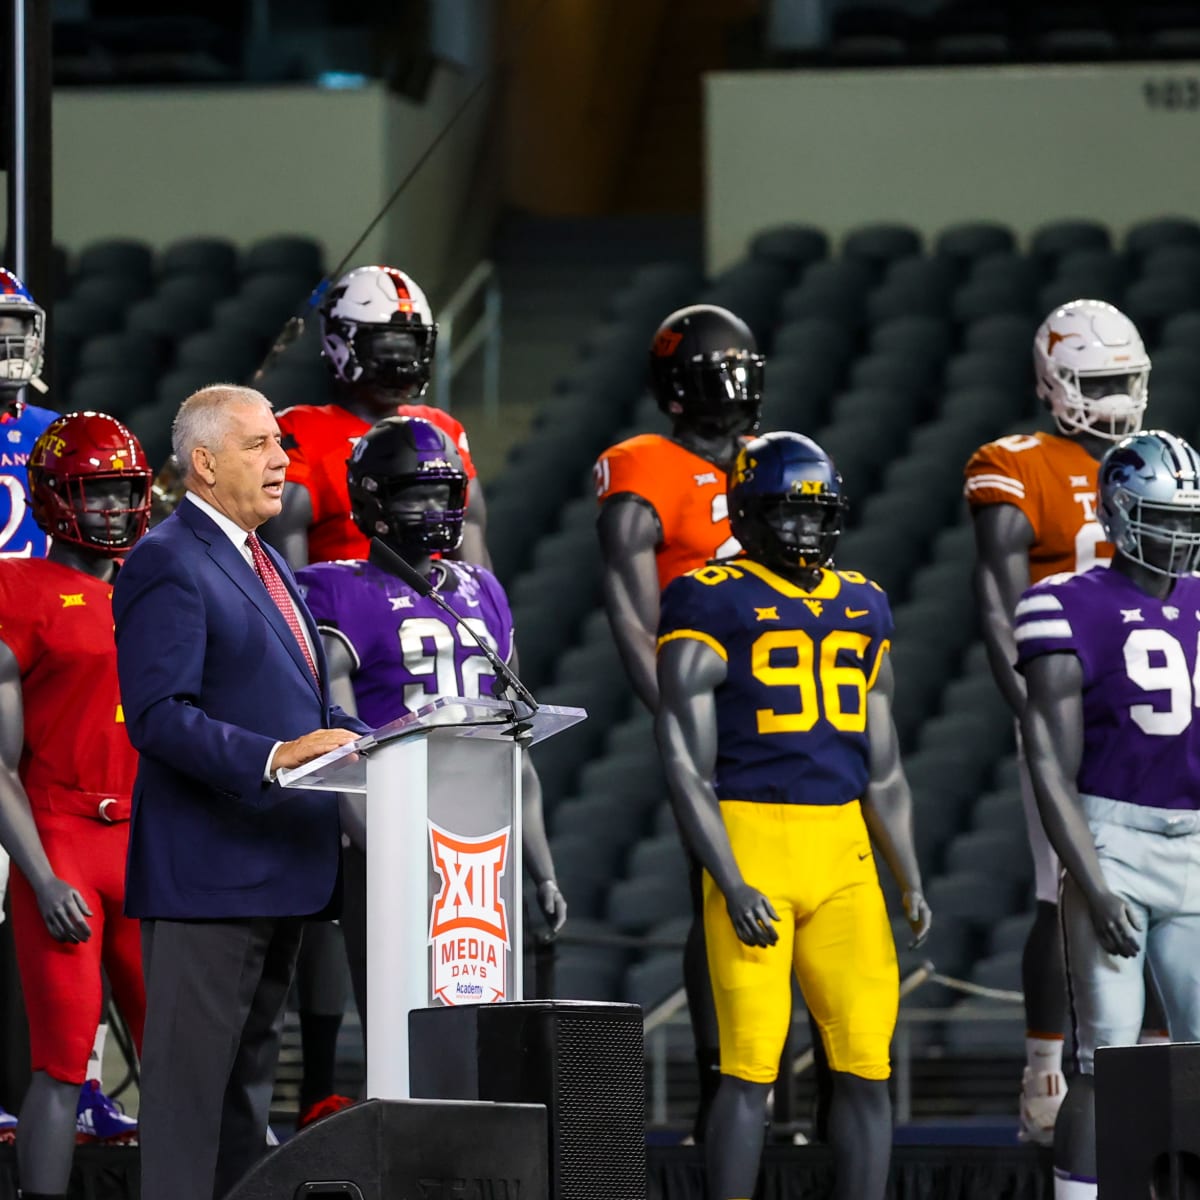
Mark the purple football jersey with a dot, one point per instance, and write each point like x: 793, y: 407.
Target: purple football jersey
x: 406, y: 651
x: 1141, y: 691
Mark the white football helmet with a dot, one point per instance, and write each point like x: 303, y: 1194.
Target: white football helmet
x: 377, y: 328
x: 1092, y: 370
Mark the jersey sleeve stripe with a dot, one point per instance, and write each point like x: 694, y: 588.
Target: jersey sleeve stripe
x: 884, y: 647
x: 1059, y: 628
x: 1043, y: 603
x: 333, y: 631
x: 696, y: 635
x: 1003, y: 483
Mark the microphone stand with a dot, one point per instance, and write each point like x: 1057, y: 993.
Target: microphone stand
x: 505, y: 684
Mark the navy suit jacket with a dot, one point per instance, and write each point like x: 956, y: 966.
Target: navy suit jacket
x: 211, y: 677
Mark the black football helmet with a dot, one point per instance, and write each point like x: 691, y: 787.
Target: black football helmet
x: 786, y: 504
x: 706, y: 370
x: 387, y: 466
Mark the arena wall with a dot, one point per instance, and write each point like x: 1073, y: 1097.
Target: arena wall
x: 245, y: 163
x: 1022, y: 145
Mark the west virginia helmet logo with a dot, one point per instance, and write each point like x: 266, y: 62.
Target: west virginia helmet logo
x: 743, y: 469
x: 808, y: 487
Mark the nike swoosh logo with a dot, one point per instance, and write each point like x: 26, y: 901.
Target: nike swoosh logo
x: 863, y: 856
x: 857, y: 612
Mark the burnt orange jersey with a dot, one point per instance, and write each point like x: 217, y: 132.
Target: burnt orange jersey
x: 687, y: 493
x: 1052, y: 480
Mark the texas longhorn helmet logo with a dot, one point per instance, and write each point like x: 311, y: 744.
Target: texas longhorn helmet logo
x: 468, y: 924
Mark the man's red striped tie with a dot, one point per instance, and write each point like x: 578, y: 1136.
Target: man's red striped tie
x: 282, y: 597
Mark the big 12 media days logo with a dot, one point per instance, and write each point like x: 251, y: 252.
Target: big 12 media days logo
x: 468, y: 926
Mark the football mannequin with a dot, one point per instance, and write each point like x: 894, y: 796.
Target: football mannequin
x: 66, y: 780
x: 780, y: 807
x: 22, y: 348
x: 390, y: 650
x: 663, y: 511
x: 378, y: 337
x: 1033, y: 501
x: 1109, y: 658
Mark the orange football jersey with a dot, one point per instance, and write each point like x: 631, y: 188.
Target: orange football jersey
x: 686, y: 491
x: 1052, y: 480
x: 318, y: 440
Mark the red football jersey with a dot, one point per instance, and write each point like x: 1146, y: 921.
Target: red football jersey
x: 58, y: 623
x: 318, y: 439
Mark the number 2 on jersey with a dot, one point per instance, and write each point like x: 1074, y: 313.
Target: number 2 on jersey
x: 428, y: 646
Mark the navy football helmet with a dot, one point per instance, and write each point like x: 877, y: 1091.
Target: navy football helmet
x: 786, y: 504
x: 1149, y: 501
x: 408, y: 486
x: 706, y: 370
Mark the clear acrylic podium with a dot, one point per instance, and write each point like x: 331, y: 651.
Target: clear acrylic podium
x: 443, y: 789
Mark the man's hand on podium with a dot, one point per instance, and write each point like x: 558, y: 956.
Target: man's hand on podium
x: 553, y: 905
x: 312, y: 745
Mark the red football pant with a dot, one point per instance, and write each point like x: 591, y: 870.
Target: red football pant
x: 61, y: 980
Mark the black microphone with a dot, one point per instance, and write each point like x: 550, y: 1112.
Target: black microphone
x: 505, y: 677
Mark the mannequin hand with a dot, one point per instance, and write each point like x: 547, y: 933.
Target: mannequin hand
x: 64, y: 911
x: 752, y: 913
x: 918, y: 916
x: 1116, y: 925
x: 553, y: 904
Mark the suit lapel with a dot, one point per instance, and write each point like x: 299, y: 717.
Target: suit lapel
x: 223, y: 552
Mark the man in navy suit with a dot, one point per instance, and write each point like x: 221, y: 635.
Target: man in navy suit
x: 223, y: 684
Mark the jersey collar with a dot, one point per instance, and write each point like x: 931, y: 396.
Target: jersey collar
x: 828, y: 586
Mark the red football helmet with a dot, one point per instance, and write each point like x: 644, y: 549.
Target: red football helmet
x: 90, y: 483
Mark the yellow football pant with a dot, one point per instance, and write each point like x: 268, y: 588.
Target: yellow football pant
x: 815, y: 864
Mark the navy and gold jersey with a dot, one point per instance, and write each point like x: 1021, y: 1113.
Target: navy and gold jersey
x: 792, y: 711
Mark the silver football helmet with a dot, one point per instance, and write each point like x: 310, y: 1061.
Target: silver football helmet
x: 1149, y: 501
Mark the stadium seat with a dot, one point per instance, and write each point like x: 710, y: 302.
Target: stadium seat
x: 226, y: 353
x: 923, y: 337
x: 795, y: 397
x: 177, y: 385
x: 1147, y: 237
x: 898, y: 372
x: 152, y: 425
x: 170, y: 318
x: 881, y: 244
x: 287, y: 253
x: 661, y: 856
x: 651, y: 982
x: 137, y: 353
x: 1004, y: 334
x: 1181, y: 330
x: 990, y: 368
x: 112, y: 391
x: 1151, y: 303
x: 636, y: 904
x: 1008, y: 268
x: 999, y: 810
x: 752, y: 289
x: 1003, y: 852
x: 1051, y: 242
x: 989, y: 298
x: 212, y: 256
x: 1170, y: 261
x: 980, y: 898
x: 114, y: 292
x: 117, y: 257
x: 892, y: 300
x: 299, y: 383
x: 969, y: 242
x: 797, y: 246
x: 812, y: 337
x: 1063, y: 290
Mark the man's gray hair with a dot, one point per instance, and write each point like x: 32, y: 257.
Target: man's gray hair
x: 202, y: 419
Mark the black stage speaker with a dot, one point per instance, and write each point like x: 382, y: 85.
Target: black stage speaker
x: 584, y: 1061
x: 1148, y: 1122
x: 409, y: 1150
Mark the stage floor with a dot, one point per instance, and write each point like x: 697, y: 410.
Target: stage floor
x: 675, y: 1173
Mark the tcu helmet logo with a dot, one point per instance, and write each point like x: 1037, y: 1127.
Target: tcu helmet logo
x: 468, y: 927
